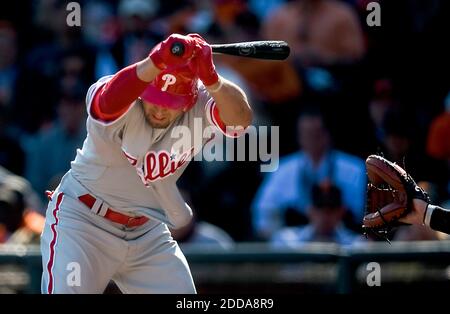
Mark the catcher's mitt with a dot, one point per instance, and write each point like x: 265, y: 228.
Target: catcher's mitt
x: 390, y: 191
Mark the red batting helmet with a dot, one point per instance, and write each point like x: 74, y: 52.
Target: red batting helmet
x: 173, y: 88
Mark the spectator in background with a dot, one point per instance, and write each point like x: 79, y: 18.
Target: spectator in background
x: 204, y: 233
x: 137, y: 37
x: 8, y: 66
x: 179, y: 16
x: 101, y: 30
x: 278, y: 102
x: 319, y: 31
x: 286, y: 194
x: 11, y: 154
x: 234, y: 22
x: 19, y: 223
x: 15, y: 182
x: 39, y: 79
x: 219, y: 198
x: 263, y: 8
x: 325, y: 37
x: 201, y: 232
x: 438, y: 144
x: 52, y: 150
x: 398, y: 135
x: 327, y: 47
x: 398, y: 143
x: 381, y: 102
x: 325, y: 221
x: 11, y: 209
x: 225, y: 13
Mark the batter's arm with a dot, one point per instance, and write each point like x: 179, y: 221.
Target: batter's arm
x: 114, y: 98
x: 231, y: 102
x: 146, y: 70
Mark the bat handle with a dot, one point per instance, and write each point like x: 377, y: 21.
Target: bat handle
x: 177, y: 49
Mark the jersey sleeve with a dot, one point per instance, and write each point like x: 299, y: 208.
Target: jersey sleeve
x: 91, y: 95
x: 108, y: 131
x: 93, y: 89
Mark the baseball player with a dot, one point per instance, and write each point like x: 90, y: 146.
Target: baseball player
x: 108, y: 218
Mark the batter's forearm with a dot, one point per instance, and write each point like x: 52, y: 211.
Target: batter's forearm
x: 231, y: 103
x: 146, y: 70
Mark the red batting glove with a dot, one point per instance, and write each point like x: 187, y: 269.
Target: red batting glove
x: 203, y: 63
x: 162, y: 56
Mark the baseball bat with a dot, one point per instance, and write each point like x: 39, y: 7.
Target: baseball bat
x: 267, y: 50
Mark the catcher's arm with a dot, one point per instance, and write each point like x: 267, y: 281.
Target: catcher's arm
x: 437, y: 218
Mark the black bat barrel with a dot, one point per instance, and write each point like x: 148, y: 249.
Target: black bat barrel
x: 267, y: 50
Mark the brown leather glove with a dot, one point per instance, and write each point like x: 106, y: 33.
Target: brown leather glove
x: 390, y: 191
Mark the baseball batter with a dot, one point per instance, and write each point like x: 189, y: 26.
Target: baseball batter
x: 108, y: 218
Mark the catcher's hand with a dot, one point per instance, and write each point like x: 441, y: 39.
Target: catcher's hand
x: 390, y: 194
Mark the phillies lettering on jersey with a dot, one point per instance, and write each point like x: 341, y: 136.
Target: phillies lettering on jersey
x: 158, y: 165
x: 162, y: 164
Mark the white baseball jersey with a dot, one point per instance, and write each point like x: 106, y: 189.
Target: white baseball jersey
x: 133, y: 167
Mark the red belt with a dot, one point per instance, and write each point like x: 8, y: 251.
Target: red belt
x: 112, y: 215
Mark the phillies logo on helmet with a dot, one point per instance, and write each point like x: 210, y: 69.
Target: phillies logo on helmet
x: 168, y: 79
x: 174, y: 88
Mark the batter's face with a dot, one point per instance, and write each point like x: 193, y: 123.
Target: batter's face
x: 159, y: 117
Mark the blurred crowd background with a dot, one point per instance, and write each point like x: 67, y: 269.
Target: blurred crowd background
x: 348, y: 90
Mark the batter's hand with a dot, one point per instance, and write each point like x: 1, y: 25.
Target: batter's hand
x: 202, y: 63
x: 163, y: 57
